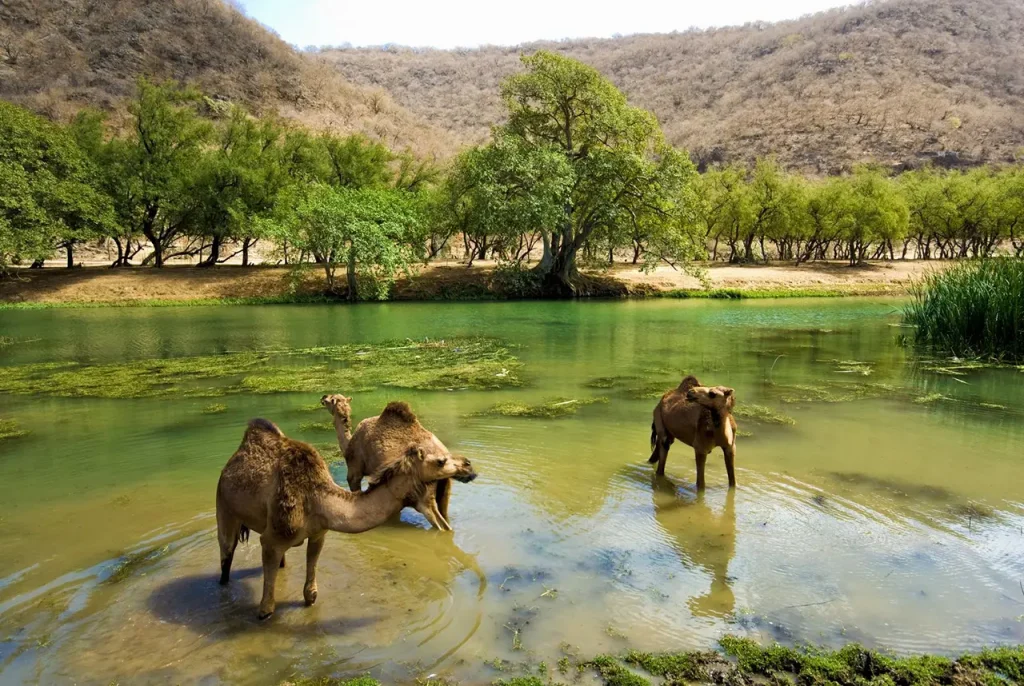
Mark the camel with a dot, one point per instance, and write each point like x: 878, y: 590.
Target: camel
x: 281, y: 489
x: 700, y: 417
x: 379, y: 440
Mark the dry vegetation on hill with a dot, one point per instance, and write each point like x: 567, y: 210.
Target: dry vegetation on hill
x: 58, y: 55
x: 897, y: 82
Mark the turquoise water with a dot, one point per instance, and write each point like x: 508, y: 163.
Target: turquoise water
x: 890, y: 512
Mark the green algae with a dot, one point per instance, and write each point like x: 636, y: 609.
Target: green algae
x: 129, y: 565
x: 556, y: 408
x: 477, y: 363
x: 762, y: 414
x: 215, y: 408
x: 615, y: 674
x: 10, y: 429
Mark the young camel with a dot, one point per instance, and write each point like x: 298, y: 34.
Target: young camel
x: 378, y: 441
x: 281, y: 489
x: 700, y: 417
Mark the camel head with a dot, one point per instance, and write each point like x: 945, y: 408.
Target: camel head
x: 720, y: 398
x: 425, y: 466
x: 338, y: 405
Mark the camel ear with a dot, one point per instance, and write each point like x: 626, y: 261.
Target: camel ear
x: 728, y: 392
x: 323, y: 398
x: 415, y: 452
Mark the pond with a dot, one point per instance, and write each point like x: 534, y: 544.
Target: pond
x: 879, y: 497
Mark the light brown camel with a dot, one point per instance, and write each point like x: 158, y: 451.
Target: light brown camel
x: 379, y: 440
x: 700, y: 417
x: 281, y: 489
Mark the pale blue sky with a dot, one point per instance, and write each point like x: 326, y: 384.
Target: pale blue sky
x: 469, y: 23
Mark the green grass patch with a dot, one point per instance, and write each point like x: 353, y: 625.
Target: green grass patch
x: 973, y: 310
x: 551, y: 409
x: 762, y: 414
x: 10, y: 429
x: 215, y: 408
x: 477, y: 363
x: 130, y: 564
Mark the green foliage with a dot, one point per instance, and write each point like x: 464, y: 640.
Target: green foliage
x: 625, y: 180
x: 974, y: 309
x: 374, y: 233
x: 49, y: 198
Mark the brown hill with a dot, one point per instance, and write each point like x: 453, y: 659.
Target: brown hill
x: 896, y: 82
x: 58, y: 55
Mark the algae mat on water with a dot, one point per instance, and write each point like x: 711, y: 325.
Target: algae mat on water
x: 478, y: 363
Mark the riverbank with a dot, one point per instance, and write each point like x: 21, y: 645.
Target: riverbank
x: 742, y: 662
x: 229, y: 284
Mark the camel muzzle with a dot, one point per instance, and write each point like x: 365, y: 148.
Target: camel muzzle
x: 466, y: 478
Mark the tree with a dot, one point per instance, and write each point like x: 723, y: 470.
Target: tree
x: 49, y: 198
x: 373, y: 233
x: 154, y: 173
x: 623, y: 172
x: 877, y: 213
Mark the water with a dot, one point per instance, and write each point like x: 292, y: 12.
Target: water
x: 883, y: 520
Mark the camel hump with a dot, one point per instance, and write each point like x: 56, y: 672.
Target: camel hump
x: 260, y: 424
x: 400, y: 411
x: 688, y: 383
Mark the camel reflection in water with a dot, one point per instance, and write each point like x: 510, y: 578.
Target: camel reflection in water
x: 702, y: 537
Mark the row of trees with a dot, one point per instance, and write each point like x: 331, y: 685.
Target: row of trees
x: 576, y: 175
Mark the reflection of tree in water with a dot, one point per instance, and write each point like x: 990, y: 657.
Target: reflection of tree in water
x: 702, y: 537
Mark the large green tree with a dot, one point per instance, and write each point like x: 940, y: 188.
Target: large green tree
x: 48, y: 190
x: 623, y: 172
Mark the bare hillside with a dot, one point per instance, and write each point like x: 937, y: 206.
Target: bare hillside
x: 57, y: 55
x: 896, y: 82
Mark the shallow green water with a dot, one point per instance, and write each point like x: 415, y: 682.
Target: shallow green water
x: 878, y: 518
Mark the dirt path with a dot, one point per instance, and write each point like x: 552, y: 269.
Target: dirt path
x: 180, y: 283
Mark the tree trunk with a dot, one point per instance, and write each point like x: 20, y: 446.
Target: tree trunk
x: 214, y: 253
x: 350, y: 275
x: 37, y: 264
x: 245, y: 251
x: 70, y: 247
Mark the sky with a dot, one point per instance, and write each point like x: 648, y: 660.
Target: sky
x: 470, y: 23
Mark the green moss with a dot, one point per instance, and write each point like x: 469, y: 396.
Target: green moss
x: 129, y: 565
x: 550, y: 409
x: 763, y: 414
x: 477, y: 363
x: 615, y: 674
x: 10, y: 429
x: 215, y: 408
x: 676, y: 666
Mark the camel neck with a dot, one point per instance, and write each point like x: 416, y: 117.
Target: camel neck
x: 342, y: 428
x: 353, y: 513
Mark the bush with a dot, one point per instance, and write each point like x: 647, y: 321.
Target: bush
x: 513, y: 280
x: 975, y: 309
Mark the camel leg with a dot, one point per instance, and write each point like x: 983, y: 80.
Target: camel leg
x: 441, y: 518
x: 228, y: 529
x: 663, y: 446
x: 271, y: 563
x: 282, y: 561
x: 313, y: 548
x: 444, y: 494
x: 730, y: 464
x: 428, y: 508
x: 702, y: 459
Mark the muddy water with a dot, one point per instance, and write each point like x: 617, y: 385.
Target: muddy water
x: 886, y: 516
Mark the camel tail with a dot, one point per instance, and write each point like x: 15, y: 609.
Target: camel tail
x: 243, y: 534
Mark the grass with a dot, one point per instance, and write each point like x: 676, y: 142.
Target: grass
x: 972, y: 310
x: 744, y: 661
x: 551, y: 409
x: 478, y: 363
x: 129, y: 565
x: 10, y: 429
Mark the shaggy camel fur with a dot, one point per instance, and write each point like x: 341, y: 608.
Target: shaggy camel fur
x: 380, y: 440
x: 281, y: 489
x: 700, y: 417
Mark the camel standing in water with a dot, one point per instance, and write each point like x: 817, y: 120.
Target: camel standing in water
x: 700, y: 417
x: 378, y: 441
x: 281, y: 489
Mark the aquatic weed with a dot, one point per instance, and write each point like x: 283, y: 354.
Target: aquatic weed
x: 10, y: 429
x: 615, y: 674
x: 676, y: 666
x: 763, y: 414
x: 129, y: 564
x: 316, y: 426
x: 215, y: 408
x: 550, y: 409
